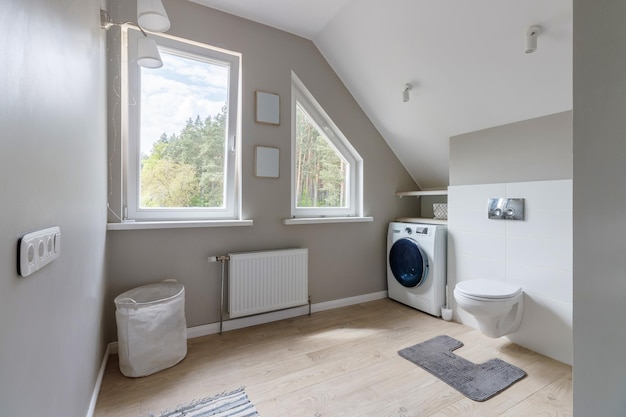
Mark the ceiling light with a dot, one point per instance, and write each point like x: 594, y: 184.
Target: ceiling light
x: 147, y: 52
x: 405, y: 92
x: 531, y: 38
x: 151, y: 15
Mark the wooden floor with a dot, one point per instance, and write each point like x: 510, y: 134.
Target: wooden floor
x: 341, y: 362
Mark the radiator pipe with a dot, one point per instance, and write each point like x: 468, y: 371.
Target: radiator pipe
x: 222, y: 297
x: 223, y: 259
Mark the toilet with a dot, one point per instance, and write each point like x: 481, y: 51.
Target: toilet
x: 497, y: 306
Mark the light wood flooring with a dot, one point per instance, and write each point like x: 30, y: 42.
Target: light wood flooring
x: 340, y: 362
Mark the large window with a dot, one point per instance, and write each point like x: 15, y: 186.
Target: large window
x: 326, y: 170
x: 182, y: 153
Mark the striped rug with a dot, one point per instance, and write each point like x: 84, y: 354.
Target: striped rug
x: 227, y: 404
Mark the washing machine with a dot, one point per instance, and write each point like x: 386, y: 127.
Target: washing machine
x: 416, y: 265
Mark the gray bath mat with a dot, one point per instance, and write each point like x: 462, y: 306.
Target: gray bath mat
x: 476, y: 381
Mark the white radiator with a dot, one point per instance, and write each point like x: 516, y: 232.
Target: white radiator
x: 259, y: 282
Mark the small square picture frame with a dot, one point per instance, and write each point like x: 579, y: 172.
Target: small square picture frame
x: 266, y: 162
x: 267, y: 108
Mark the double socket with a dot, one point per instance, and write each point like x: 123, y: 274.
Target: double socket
x: 505, y: 209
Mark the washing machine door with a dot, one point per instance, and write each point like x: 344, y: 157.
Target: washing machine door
x: 408, y: 263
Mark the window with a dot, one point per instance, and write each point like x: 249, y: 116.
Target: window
x: 326, y: 170
x: 180, y: 134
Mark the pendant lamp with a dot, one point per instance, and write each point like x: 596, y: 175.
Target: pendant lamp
x: 148, y: 54
x: 151, y: 16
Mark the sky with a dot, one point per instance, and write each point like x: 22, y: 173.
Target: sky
x: 182, y: 88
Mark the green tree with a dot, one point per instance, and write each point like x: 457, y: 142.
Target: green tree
x: 167, y: 184
x: 187, y: 170
x: 320, y: 170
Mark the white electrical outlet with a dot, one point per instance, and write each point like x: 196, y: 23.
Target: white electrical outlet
x: 38, y: 249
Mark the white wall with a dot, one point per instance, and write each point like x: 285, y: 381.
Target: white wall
x: 599, y: 208
x: 52, y: 172
x: 535, y: 253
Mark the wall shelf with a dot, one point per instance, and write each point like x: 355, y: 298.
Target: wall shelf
x: 421, y: 193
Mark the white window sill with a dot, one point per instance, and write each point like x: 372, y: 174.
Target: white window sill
x: 318, y: 220
x: 181, y: 224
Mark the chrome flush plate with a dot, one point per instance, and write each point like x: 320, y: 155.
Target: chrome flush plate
x: 505, y: 209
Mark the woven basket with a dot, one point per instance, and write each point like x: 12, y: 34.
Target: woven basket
x: 440, y: 211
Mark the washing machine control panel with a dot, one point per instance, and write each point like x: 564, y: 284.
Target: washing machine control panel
x: 417, y: 229
x: 409, y: 230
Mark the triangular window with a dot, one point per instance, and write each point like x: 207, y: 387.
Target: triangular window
x: 326, y: 169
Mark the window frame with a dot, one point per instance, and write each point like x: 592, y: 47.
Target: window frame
x: 354, y: 184
x: 131, y: 138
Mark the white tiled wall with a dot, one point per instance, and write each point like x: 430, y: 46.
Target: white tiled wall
x: 535, y: 253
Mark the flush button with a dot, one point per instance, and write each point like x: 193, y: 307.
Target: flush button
x: 505, y: 209
x: 514, y: 209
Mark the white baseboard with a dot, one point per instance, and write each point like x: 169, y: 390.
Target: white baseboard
x: 96, y: 388
x: 344, y: 302
x: 233, y: 324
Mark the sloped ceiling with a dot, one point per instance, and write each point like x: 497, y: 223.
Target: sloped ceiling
x: 465, y: 60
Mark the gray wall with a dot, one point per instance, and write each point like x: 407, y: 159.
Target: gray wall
x: 52, y: 172
x: 599, y: 208
x: 344, y: 259
x: 531, y: 150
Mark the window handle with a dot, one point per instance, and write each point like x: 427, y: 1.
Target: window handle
x: 232, y: 147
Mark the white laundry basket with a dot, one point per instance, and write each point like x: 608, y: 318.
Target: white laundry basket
x: 151, y: 328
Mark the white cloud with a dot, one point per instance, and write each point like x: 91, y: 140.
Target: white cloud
x: 181, y: 89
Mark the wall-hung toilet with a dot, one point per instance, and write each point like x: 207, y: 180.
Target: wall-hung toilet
x: 497, y: 306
